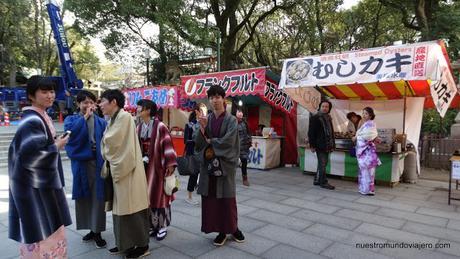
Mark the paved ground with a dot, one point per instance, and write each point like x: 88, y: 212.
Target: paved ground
x: 284, y: 216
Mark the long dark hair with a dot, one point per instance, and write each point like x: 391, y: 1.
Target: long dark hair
x: 370, y: 111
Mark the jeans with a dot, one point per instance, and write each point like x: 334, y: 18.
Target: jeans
x: 192, y: 180
x: 244, y: 166
x: 323, y: 158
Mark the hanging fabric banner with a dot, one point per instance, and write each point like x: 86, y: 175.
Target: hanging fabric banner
x: 163, y: 96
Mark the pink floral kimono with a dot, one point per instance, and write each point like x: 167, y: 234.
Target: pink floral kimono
x: 367, y: 156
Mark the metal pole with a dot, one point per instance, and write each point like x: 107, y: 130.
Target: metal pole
x: 405, y: 106
x: 218, y: 50
x: 148, y: 77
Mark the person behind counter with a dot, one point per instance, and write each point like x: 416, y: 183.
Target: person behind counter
x: 354, y: 121
x: 366, y: 152
x: 321, y: 139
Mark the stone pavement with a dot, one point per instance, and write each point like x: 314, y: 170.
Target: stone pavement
x: 284, y: 216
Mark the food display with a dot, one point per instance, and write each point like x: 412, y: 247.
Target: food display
x: 298, y: 70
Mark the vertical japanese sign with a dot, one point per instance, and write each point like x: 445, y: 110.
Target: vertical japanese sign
x: 393, y: 63
x: 256, y: 156
x: 443, y: 91
x: 164, y: 97
x: 277, y: 97
x: 237, y: 82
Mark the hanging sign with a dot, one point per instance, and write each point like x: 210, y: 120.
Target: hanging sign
x: 393, y: 63
x: 443, y: 91
x: 163, y: 96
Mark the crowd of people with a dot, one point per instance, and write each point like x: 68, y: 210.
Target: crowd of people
x: 117, y: 166
x: 120, y: 165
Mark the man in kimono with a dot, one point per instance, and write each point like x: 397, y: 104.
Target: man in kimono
x: 219, y: 132
x: 321, y: 139
x: 38, y: 211
x: 84, y: 151
x: 122, y: 153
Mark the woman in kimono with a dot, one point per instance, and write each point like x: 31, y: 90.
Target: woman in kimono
x: 84, y: 151
x: 219, y: 130
x: 38, y: 211
x: 245, y: 144
x: 366, y: 153
x: 160, y: 157
x: 123, y: 156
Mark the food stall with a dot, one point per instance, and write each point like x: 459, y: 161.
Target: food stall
x: 167, y: 101
x: 257, y: 90
x: 397, y: 81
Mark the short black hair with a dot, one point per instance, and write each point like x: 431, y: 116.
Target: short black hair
x: 34, y: 83
x: 139, y: 103
x: 370, y: 111
x: 83, y: 94
x: 215, y: 90
x: 325, y: 101
x: 147, y: 104
x: 351, y: 115
x: 114, y: 94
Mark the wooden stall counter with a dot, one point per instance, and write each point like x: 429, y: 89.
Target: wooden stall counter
x: 265, y: 153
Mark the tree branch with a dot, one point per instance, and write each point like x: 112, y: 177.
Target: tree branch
x: 404, y: 12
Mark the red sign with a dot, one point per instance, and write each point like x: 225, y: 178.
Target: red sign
x: 237, y: 82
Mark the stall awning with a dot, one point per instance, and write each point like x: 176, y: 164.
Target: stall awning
x: 392, y: 72
x: 258, y: 82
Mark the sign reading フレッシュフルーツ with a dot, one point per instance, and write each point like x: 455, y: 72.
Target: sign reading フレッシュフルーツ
x: 237, y: 83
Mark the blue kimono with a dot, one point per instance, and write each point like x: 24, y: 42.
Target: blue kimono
x: 80, y: 149
x: 37, y: 202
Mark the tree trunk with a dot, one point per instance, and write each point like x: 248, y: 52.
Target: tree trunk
x: 422, y: 19
x: 319, y: 26
x: 13, y: 70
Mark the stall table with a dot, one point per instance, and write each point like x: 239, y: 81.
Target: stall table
x: 265, y: 152
x: 342, y: 164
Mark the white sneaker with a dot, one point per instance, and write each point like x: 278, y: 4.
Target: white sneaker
x: 191, y: 201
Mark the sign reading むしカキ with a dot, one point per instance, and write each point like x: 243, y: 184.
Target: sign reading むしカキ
x: 163, y: 96
x: 238, y: 83
x: 393, y: 63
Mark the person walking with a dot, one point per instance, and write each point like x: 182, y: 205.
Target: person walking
x: 123, y: 164
x: 38, y: 210
x: 321, y: 139
x: 84, y: 151
x: 160, y: 159
x: 190, y: 128
x: 366, y: 152
x: 217, y: 142
x: 245, y: 144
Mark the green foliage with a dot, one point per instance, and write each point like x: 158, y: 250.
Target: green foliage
x: 26, y: 35
x: 433, y: 123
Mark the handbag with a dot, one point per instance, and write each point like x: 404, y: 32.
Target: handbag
x: 186, y: 165
x: 212, y: 162
x: 171, y: 184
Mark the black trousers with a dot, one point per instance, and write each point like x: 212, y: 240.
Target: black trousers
x: 244, y: 166
x: 193, y: 179
x: 323, y: 158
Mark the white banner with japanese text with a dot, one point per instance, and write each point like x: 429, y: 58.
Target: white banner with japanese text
x: 443, y: 91
x: 420, y: 61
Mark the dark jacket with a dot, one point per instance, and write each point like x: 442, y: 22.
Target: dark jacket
x: 38, y: 206
x: 245, y: 139
x: 321, y: 132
